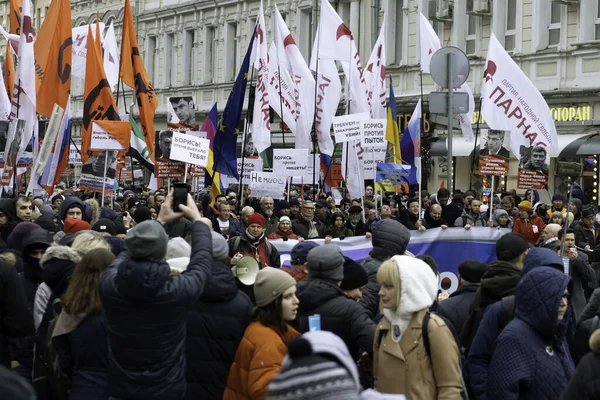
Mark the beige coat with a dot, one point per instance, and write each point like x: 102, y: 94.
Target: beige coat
x: 405, y: 368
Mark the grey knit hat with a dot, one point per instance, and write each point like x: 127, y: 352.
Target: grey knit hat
x: 220, y: 248
x: 270, y: 284
x: 147, y: 240
x: 326, y: 262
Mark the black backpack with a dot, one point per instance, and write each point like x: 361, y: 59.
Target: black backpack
x: 462, y: 360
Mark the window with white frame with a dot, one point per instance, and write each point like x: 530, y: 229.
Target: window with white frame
x: 230, y: 50
x: 189, y: 57
x: 510, y: 33
x: 305, y: 32
x: 399, y: 32
x: 209, y: 53
x: 555, y: 24
x: 597, y: 21
x: 472, y: 21
x: 150, y: 58
x: 168, y: 52
x: 343, y: 11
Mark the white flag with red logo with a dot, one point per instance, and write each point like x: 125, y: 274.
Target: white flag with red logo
x: 375, y: 76
x: 510, y: 102
x: 111, y: 56
x: 301, y: 102
x: 429, y: 42
x: 261, y: 125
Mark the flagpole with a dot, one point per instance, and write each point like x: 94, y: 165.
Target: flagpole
x: 315, y: 134
x: 475, y: 145
x: 420, y: 136
x: 245, y: 137
x: 104, y: 177
x: 130, y: 153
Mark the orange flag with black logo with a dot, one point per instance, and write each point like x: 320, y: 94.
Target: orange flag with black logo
x: 133, y: 73
x: 9, y: 72
x: 98, y: 100
x: 16, y: 15
x: 53, y: 54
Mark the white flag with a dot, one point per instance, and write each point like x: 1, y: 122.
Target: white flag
x: 281, y: 91
x: 329, y: 92
x: 375, y: 77
x: 354, y: 174
x: 5, y: 105
x: 261, y: 126
x: 512, y: 103
x: 429, y: 42
x: 290, y: 59
x: 111, y: 56
x: 80, y: 48
x: 24, y: 96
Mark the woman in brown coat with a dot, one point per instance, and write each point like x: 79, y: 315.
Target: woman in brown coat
x: 260, y: 354
x: 401, y: 364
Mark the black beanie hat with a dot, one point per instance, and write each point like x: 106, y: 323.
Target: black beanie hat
x: 510, y: 246
x: 472, y: 270
x: 355, y: 275
x: 557, y: 197
x: 142, y: 214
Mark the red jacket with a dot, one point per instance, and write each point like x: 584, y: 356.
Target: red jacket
x: 526, y: 228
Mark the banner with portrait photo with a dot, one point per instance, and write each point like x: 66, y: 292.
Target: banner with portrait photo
x: 181, y: 113
x: 533, y: 168
x: 26, y: 159
x: 92, y: 172
x: 494, y: 154
x: 164, y: 165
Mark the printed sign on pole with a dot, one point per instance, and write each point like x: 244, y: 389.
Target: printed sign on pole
x: 349, y: 127
x: 267, y: 184
x: 373, y: 133
x: 102, y: 140
x: 190, y: 149
x: 250, y: 164
x: 292, y: 162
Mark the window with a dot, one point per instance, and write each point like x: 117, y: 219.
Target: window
x: 597, y: 21
x: 344, y: 12
x: 168, y: 52
x: 305, y: 32
x: 511, y: 25
x: 209, y: 53
x: 151, y: 58
x: 471, y: 35
x: 399, y: 32
x: 189, y: 57
x: 231, y: 51
x: 554, y: 27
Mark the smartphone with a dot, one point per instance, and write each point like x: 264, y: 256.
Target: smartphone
x: 180, y: 192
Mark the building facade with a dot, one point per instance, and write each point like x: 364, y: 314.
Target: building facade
x: 195, y: 48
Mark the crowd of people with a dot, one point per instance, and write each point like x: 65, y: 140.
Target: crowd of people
x: 139, y: 300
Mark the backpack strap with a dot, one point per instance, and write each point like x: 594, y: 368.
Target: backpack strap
x: 507, y: 311
x: 236, y: 244
x: 425, y: 333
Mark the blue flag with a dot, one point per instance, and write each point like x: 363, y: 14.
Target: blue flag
x: 226, y: 137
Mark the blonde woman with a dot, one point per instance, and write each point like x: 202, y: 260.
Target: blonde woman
x: 88, y: 241
x: 401, y: 363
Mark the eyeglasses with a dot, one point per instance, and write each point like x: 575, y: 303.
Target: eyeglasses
x: 309, y: 208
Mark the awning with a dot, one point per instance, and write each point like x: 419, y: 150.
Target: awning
x: 569, y: 145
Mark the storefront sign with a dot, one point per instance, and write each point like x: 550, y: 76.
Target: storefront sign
x: 559, y: 114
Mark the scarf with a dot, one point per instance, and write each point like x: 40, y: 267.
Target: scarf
x: 312, y: 228
x: 255, y: 241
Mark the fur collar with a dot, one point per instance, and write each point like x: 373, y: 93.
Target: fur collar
x: 595, y: 341
x: 62, y: 253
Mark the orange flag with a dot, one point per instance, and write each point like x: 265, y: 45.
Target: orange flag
x: 133, y: 73
x: 9, y: 72
x: 53, y: 54
x: 16, y: 15
x: 98, y: 100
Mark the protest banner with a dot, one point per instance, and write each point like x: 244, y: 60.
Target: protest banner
x: 291, y: 162
x: 103, y: 140
x: 74, y: 155
x: 533, y: 168
x: 308, y: 176
x: 267, y: 184
x: 373, y: 133
x: 349, y: 127
x: 494, y: 154
x: 477, y: 243
x: 190, y: 149
x: 250, y: 164
x: 391, y: 177
x: 98, y: 173
x: 167, y: 167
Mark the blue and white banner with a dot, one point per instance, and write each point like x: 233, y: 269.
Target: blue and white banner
x: 449, y: 247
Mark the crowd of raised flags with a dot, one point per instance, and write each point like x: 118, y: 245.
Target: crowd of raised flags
x: 284, y: 82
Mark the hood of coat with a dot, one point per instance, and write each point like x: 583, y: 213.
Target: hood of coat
x: 222, y: 286
x: 313, y: 293
x: 500, y: 280
x: 391, y: 235
x: 140, y: 279
x: 92, y: 211
x: 58, y: 264
x: 62, y: 253
x: 538, y: 298
x: 595, y: 341
x: 71, y: 202
x: 541, y: 257
x: 498, y: 213
x: 7, y: 206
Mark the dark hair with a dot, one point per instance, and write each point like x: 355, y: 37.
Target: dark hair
x: 431, y: 262
x: 175, y: 100
x: 562, y: 232
x: 337, y: 215
x: 221, y: 204
x: 219, y: 196
x: 159, y: 194
x: 165, y: 133
x: 270, y: 315
x: 83, y: 294
x: 413, y: 200
x: 24, y: 199
x: 443, y: 192
x: 470, y: 193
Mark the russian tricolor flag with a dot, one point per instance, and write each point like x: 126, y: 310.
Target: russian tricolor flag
x: 58, y: 160
x: 410, y: 145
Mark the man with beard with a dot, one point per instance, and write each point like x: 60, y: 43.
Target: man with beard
x: 306, y: 225
x: 355, y: 223
x: 267, y: 209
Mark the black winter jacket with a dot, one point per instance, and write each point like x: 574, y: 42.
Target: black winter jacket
x: 146, y: 312
x: 339, y: 314
x: 585, y: 382
x: 590, y: 319
x: 300, y: 227
x: 456, y: 308
x: 215, y: 327
x: 15, y: 318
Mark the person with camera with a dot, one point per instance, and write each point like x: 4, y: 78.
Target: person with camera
x: 146, y: 309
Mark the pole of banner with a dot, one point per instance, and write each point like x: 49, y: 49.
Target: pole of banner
x: 491, y: 207
x: 314, y: 133
x: 360, y: 179
x: 562, y: 242
x: 244, y: 138
x: 130, y: 153
x: 104, y: 176
x: 473, y: 158
x: 185, y: 166
x: 168, y: 185
x: 281, y: 108
x: 450, y: 121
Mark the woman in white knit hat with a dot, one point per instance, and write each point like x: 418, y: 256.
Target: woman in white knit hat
x: 284, y: 230
x: 262, y: 349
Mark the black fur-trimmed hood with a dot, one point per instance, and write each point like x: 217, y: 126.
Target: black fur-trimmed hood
x: 62, y: 253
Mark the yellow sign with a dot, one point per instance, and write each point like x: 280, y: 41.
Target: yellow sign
x: 559, y: 114
x: 404, y: 118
